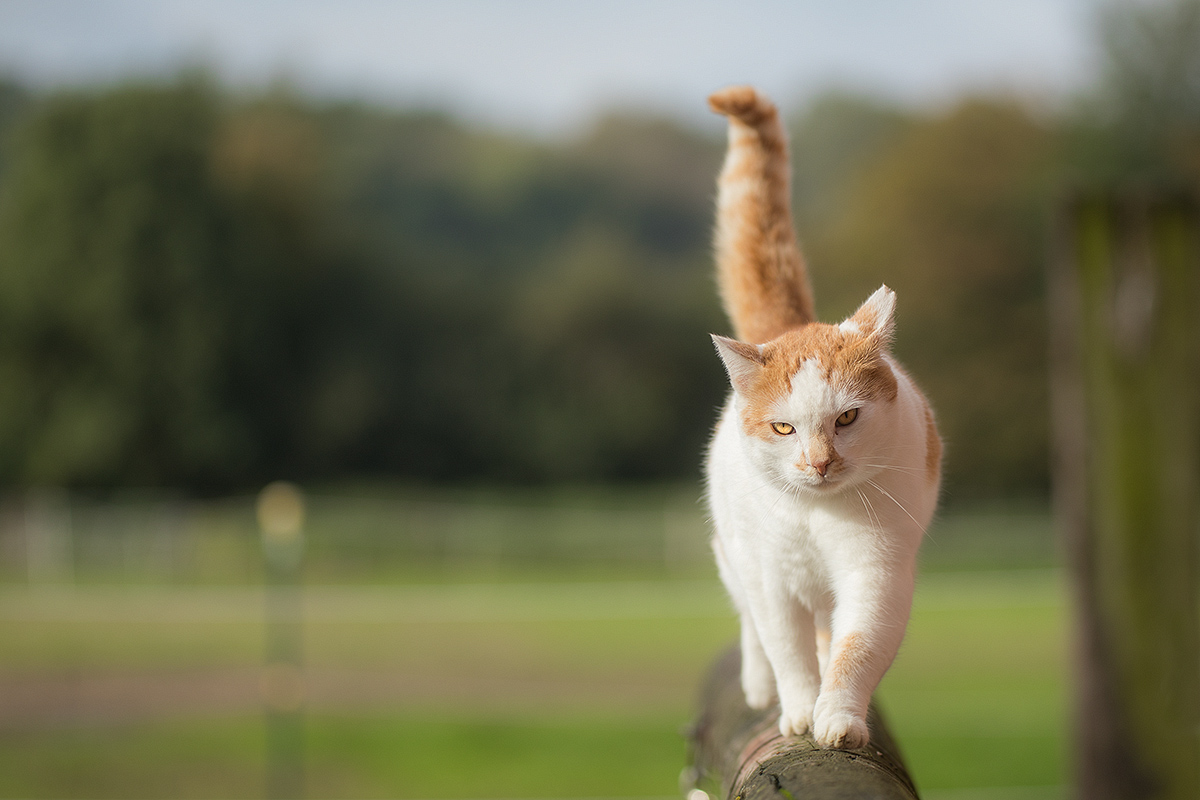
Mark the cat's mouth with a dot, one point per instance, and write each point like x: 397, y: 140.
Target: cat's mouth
x: 823, y: 479
x: 824, y: 482
x: 820, y: 483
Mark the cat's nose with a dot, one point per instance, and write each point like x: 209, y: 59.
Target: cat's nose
x: 820, y: 466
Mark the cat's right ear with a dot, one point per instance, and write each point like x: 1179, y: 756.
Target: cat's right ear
x: 742, y: 361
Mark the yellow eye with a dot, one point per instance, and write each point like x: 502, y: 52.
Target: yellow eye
x: 847, y: 417
x: 782, y: 428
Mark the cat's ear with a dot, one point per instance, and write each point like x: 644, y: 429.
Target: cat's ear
x: 875, y: 318
x: 742, y: 361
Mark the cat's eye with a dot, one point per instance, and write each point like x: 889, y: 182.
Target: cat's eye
x: 847, y: 417
x: 782, y: 428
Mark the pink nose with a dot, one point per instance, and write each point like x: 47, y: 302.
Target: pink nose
x: 819, y: 466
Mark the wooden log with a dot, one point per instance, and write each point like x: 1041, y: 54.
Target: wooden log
x: 739, y: 754
x: 1125, y: 379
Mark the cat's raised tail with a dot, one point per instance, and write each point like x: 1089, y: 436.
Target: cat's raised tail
x: 761, y: 273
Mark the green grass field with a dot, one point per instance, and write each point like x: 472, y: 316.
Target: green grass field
x: 521, y: 679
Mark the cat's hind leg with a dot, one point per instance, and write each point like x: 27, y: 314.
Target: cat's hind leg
x: 758, y: 681
x: 823, y: 646
x: 821, y: 619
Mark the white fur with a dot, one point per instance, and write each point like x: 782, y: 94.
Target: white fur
x: 799, y: 552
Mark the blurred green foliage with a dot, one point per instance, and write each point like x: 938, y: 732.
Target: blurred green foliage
x: 205, y: 293
x: 208, y: 291
x: 1142, y: 122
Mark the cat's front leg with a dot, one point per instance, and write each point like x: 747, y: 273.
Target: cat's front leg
x: 867, y: 633
x: 788, y: 636
x: 840, y: 714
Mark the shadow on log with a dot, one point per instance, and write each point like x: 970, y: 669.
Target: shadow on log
x: 738, y: 753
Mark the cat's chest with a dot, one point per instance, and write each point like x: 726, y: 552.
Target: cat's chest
x: 791, y: 543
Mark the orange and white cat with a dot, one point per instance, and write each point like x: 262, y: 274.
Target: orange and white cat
x: 823, y: 472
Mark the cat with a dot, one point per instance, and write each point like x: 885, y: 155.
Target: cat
x: 824, y: 468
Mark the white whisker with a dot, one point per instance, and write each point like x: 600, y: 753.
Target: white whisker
x: 871, y: 517
x: 899, y: 505
x: 909, y: 470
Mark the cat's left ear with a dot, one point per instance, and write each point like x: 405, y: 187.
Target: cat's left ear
x: 875, y: 318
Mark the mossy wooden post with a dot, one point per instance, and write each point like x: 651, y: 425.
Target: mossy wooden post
x: 738, y: 753
x: 281, y: 520
x: 1125, y: 308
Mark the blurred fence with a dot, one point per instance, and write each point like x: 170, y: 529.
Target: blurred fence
x: 48, y: 537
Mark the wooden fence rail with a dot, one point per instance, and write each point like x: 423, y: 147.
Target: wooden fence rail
x: 739, y: 754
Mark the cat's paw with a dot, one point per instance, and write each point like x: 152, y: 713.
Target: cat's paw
x: 795, y: 721
x: 840, y: 729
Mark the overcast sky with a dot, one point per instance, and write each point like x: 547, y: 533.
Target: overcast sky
x: 552, y: 65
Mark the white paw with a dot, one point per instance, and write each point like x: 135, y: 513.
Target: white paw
x: 840, y: 729
x: 796, y: 721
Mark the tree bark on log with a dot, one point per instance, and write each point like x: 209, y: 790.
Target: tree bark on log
x: 738, y: 753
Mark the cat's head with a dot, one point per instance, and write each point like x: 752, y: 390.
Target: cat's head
x: 814, y: 402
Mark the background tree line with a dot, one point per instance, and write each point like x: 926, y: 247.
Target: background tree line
x: 206, y: 290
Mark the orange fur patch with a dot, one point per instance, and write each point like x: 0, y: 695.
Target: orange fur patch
x: 850, y: 654
x: 933, y: 446
x: 849, y: 361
